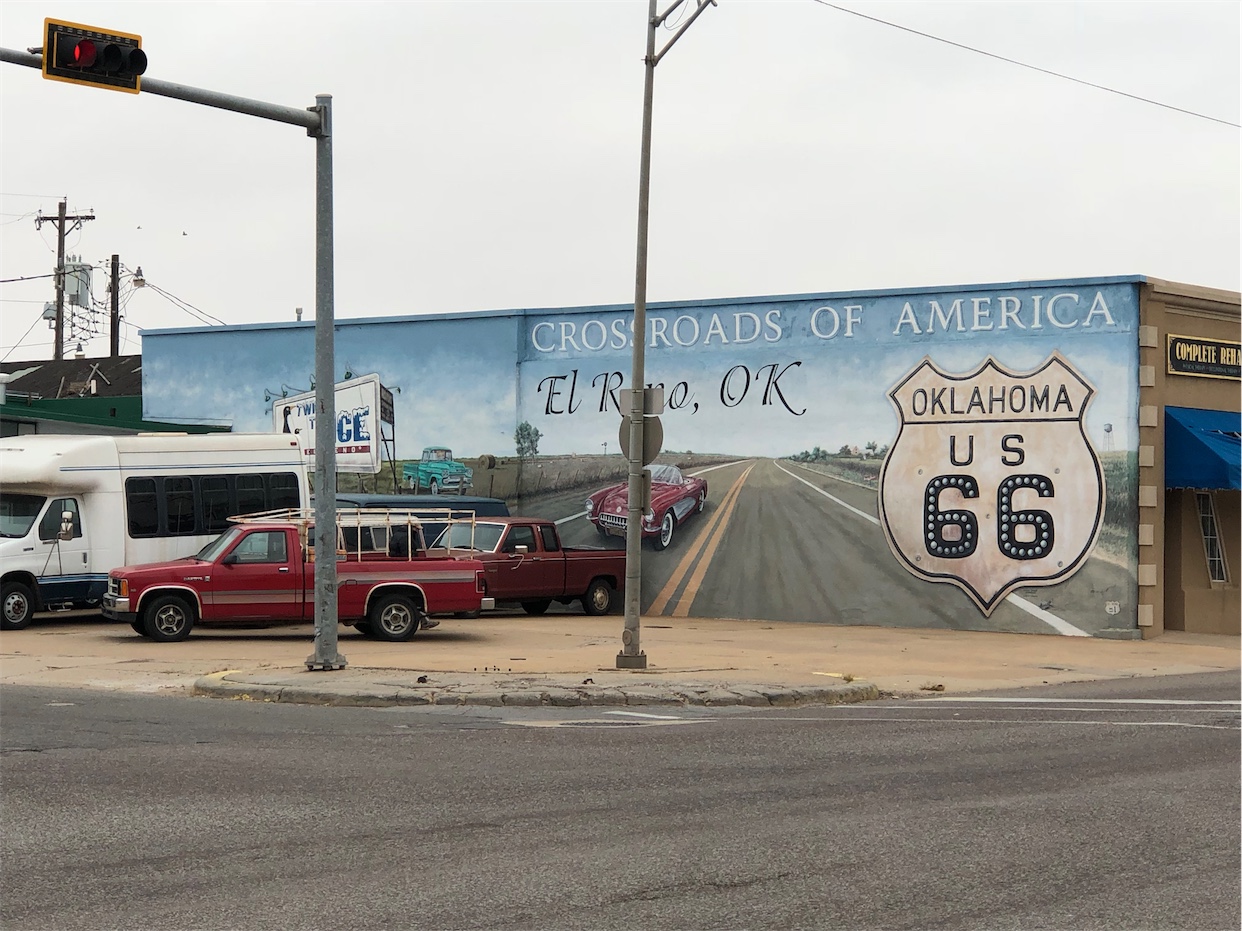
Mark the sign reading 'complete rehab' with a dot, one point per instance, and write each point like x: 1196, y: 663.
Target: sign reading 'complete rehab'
x: 1207, y: 358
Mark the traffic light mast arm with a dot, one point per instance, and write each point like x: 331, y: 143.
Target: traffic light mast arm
x: 309, y: 119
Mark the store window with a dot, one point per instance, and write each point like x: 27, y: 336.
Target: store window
x: 1211, y: 538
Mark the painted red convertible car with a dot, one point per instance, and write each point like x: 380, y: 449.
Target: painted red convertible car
x: 674, y: 498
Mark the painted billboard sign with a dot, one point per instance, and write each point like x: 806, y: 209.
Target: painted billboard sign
x: 358, y: 423
x: 818, y: 423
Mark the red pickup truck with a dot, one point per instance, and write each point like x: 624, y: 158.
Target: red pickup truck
x: 525, y: 563
x: 261, y: 572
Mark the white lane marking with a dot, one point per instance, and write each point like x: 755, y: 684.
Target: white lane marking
x: 988, y: 699
x: 833, y: 498
x: 1060, y: 625
x: 609, y: 723
x: 565, y: 520
x: 640, y: 714
x: 1015, y: 721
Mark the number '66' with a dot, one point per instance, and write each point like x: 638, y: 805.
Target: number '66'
x: 1020, y: 534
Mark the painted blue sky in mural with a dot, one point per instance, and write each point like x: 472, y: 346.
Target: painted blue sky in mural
x: 753, y: 377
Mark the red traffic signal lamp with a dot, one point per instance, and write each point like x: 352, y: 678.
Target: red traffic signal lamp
x: 85, y: 55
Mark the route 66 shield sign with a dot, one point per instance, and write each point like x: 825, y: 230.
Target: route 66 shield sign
x: 992, y: 483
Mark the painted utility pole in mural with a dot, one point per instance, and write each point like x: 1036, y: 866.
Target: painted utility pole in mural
x: 992, y: 482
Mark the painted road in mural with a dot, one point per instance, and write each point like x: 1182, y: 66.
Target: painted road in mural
x: 817, y: 545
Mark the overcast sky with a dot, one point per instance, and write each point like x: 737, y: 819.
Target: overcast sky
x: 487, y: 154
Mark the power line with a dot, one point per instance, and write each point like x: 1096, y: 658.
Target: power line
x: 23, y: 336
x: 1022, y: 64
x: 26, y: 278
x: 189, y: 308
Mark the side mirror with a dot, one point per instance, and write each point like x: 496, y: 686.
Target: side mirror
x: 66, y: 525
x: 230, y: 559
x: 521, y: 549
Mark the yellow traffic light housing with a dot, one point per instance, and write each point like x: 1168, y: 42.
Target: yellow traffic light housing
x: 80, y: 54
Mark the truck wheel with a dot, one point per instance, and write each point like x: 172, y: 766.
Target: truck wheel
x: 18, y: 606
x: 139, y: 626
x: 434, y: 487
x: 167, y: 619
x: 364, y: 628
x: 598, y: 598
x: 536, y: 607
x: 394, y: 618
x: 664, y: 539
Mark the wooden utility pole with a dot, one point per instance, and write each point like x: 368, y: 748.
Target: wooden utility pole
x: 115, y: 328
x: 58, y: 351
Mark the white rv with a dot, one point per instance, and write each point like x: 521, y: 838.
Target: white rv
x: 74, y: 507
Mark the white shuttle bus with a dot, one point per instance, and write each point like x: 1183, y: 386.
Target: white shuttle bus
x: 74, y: 507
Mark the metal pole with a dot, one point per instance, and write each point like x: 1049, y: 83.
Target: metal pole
x: 114, y: 339
x: 317, y: 121
x: 326, y: 655
x: 631, y: 655
x: 58, y: 351
x: 308, y: 118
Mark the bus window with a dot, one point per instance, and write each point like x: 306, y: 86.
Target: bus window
x: 179, y: 504
x: 251, y: 497
x: 49, y: 527
x: 284, y: 491
x: 140, y: 503
x: 216, y: 507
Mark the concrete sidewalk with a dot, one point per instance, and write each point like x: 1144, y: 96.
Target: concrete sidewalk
x: 562, y: 659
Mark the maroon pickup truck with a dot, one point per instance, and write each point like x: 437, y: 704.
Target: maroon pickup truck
x: 261, y: 573
x: 525, y: 563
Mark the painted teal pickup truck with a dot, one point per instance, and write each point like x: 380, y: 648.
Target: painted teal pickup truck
x: 438, y: 472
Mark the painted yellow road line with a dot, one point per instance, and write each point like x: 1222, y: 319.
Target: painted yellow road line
x: 666, y: 593
x: 682, y: 608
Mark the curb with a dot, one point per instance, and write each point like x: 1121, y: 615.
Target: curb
x: 528, y: 692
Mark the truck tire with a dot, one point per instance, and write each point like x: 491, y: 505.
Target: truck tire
x: 598, y: 598
x: 167, y: 619
x: 537, y: 607
x: 434, y: 487
x: 139, y: 626
x: 394, y: 618
x: 364, y: 628
x: 18, y: 606
x: 668, y: 526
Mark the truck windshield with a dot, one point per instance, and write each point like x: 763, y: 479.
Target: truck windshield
x: 217, y: 546
x: 18, y: 513
x: 486, y: 537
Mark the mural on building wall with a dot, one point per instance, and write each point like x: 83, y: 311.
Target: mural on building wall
x: 801, y: 435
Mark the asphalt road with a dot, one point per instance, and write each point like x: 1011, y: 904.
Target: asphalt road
x: 1090, y: 806
x: 781, y: 542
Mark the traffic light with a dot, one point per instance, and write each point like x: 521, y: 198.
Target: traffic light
x: 85, y: 55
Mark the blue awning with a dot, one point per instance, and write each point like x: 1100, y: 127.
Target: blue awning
x: 1201, y: 448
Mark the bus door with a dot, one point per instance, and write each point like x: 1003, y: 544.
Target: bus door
x: 64, y: 571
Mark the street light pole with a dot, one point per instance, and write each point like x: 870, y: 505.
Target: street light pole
x: 631, y: 655
x: 326, y: 655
